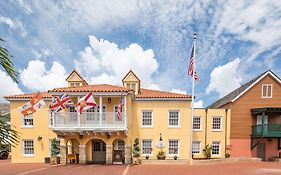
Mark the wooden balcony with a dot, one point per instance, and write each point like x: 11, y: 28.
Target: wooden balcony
x: 87, y: 121
x: 266, y: 130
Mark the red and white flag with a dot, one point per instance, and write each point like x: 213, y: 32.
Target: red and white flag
x: 33, y: 105
x: 120, y: 108
x: 85, y: 103
x: 191, y: 66
x: 60, y: 102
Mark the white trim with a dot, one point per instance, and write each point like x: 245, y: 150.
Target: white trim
x: 268, y: 72
x: 200, y: 123
x: 147, y: 126
x: 162, y: 99
x: 179, y: 123
x: 266, y: 86
x: 200, y: 143
x: 151, y: 154
x: 22, y: 146
x: 27, y: 126
x: 178, y: 154
x: 216, y: 155
x: 217, y: 130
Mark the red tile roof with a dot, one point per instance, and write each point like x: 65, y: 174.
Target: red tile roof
x: 44, y: 95
x: 147, y: 93
x: 92, y: 88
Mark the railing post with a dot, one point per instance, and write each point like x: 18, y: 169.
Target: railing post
x: 262, y: 123
x: 78, y: 119
x: 101, y: 108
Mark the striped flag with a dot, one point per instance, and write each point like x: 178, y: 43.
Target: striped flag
x: 60, y: 102
x: 191, y: 66
x: 120, y: 108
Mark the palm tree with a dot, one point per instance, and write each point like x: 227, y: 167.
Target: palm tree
x: 8, y: 136
x: 6, y: 63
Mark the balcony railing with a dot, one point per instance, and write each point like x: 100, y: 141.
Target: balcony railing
x: 266, y: 130
x: 88, y: 121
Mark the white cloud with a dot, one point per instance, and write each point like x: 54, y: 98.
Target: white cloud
x: 105, y: 62
x: 8, y: 86
x: 8, y: 21
x: 37, y: 78
x: 198, y: 104
x: 14, y: 24
x: 225, y: 78
x: 178, y: 91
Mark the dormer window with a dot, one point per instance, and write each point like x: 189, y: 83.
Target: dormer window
x: 133, y: 86
x: 267, y: 91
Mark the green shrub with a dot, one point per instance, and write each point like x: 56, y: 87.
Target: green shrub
x: 207, y: 151
x: 136, y: 148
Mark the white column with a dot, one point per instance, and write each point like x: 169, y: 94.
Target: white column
x: 125, y: 111
x: 78, y: 115
x: 100, y: 110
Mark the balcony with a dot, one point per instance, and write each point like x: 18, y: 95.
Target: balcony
x: 87, y: 121
x: 266, y: 130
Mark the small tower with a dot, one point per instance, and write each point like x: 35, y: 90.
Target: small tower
x: 75, y: 79
x: 132, y: 82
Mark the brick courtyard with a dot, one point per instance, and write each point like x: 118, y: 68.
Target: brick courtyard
x: 240, y: 168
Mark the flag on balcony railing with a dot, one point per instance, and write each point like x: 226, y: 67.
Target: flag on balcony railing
x: 33, y: 105
x: 85, y: 103
x: 60, y: 102
x: 120, y: 108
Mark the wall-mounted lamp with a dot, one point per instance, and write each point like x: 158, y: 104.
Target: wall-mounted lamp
x: 39, y: 138
x: 108, y: 136
x: 80, y: 136
x: 109, y: 100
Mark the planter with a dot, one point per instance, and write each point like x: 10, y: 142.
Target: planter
x: 161, y: 157
x: 146, y: 157
x: 175, y: 158
x: 54, y: 160
x: 136, y: 160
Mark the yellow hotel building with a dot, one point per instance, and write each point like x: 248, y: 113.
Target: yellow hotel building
x: 97, y: 136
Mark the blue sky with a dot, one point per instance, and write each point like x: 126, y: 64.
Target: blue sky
x: 237, y: 40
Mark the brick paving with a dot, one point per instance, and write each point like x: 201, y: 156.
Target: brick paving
x: 238, y: 168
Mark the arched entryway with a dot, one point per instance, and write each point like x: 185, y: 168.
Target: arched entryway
x: 96, y: 151
x: 118, y: 151
x: 72, y: 151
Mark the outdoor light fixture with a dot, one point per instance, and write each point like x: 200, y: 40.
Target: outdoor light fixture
x: 108, y: 136
x: 39, y: 138
x: 80, y: 136
x: 109, y: 100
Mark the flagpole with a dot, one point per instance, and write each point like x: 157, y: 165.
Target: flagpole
x: 192, y: 98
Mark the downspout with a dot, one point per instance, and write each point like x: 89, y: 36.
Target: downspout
x: 206, y: 121
x: 225, y: 130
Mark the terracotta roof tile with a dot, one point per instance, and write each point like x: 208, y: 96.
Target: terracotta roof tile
x: 147, y: 93
x: 92, y: 88
x: 44, y: 95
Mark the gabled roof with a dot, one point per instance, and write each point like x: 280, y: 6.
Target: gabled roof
x: 27, y: 96
x: 148, y: 93
x: 130, y: 71
x: 234, y: 95
x: 79, y: 75
x: 92, y: 88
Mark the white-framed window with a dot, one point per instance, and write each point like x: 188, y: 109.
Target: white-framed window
x: 266, y: 91
x: 174, y: 118
x: 173, y: 147
x: 147, y: 120
x: 146, y: 147
x: 27, y: 121
x: 217, y: 123
x: 196, y: 147
x: 50, y: 145
x: 196, y: 123
x: 27, y: 147
x: 216, y: 148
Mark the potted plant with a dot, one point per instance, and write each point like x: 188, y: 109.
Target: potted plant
x: 161, y: 155
x: 147, y: 157
x: 54, y: 152
x: 228, y: 148
x: 207, y: 151
x: 136, y: 152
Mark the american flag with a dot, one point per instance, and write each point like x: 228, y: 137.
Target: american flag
x: 60, y: 102
x: 120, y: 108
x: 191, y: 66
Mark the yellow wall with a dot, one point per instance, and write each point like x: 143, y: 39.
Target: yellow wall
x: 160, y: 125
x: 40, y: 128
x: 207, y: 135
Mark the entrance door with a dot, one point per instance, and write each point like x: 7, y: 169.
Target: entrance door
x: 261, y: 151
x: 99, y: 152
